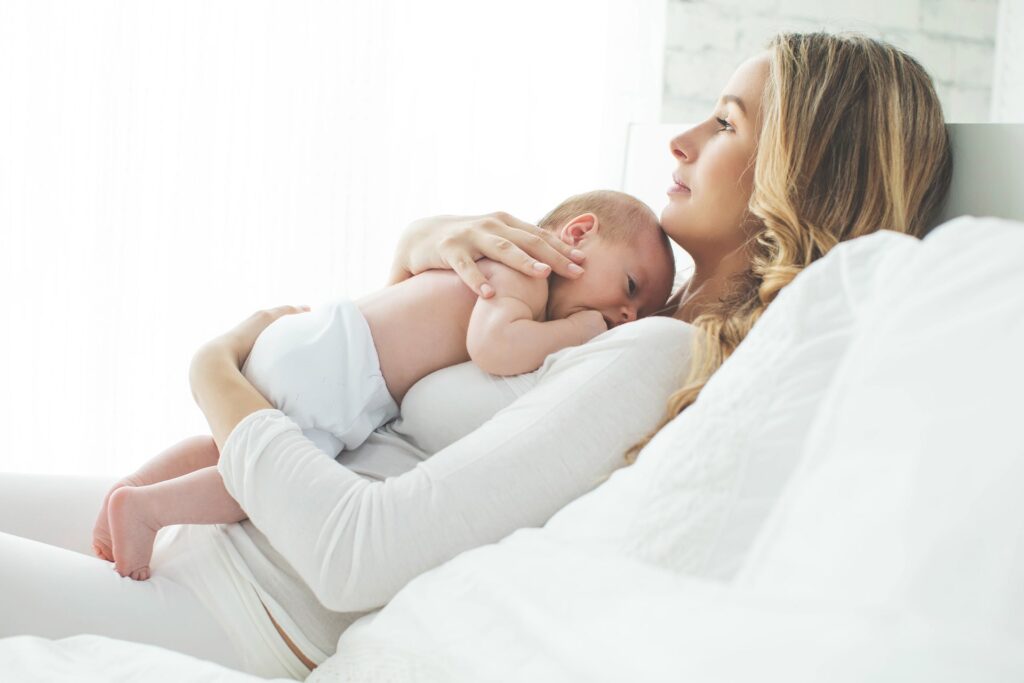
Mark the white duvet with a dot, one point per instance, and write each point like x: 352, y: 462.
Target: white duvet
x: 880, y: 443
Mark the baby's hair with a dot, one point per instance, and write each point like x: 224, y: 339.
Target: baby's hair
x: 622, y: 217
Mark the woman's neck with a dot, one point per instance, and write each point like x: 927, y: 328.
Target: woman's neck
x: 708, y: 284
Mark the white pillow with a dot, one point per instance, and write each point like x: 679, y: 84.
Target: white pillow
x: 909, y: 495
x: 701, y: 489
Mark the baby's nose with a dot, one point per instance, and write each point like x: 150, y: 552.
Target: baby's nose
x: 628, y: 314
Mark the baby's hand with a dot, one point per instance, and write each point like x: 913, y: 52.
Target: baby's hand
x: 589, y: 323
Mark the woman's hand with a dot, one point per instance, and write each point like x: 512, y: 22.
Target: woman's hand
x: 239, y: 340
x: 456, y: 242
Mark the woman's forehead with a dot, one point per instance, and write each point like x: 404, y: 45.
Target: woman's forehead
x: 747, y: 82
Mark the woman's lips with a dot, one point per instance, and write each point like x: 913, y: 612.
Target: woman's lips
x: 678, y: 187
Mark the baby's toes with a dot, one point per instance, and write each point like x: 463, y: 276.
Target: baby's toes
x: 102, y: 550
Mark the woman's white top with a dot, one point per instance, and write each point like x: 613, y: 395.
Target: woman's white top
x: 472, y: 458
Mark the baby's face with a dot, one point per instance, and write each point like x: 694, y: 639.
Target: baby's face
x: 623, y: 281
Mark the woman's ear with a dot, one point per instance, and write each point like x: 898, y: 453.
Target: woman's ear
x: 575, y: 230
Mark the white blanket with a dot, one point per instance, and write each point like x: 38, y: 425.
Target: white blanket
x: 95, y: 659
x: 893, y: 554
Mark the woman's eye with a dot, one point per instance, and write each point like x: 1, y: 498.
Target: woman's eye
x: 724, y: 124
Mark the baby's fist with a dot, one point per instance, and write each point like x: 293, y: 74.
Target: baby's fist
x: 589, y: 323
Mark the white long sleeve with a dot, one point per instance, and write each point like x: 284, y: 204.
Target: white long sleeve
x: 357, y: 542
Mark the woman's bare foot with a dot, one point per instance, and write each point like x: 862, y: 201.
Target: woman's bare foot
x: 101, y: 542
x: 133, y: 528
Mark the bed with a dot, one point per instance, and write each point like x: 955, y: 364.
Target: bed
x: 841, y: 505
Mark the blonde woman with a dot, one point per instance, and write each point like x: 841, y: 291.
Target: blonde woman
x: 820, y: 139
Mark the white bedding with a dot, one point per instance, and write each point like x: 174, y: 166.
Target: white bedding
x: 95, y: 659
x: 895, y: 553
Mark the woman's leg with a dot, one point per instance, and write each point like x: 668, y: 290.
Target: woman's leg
x: 54, y: 593
x: 57, y: 510
x: 137, y: 513
x: 195, y: 603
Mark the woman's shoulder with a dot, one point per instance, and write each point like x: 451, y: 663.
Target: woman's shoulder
x: 654, y: 335
x: 654, y: 329
x: 658, y: 344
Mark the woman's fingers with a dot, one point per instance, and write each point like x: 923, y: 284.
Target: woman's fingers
x: 278, y: 311
x: 530, y: 249
x: 242, y: 337
x: 526, y: 248
x: 261, y: 320
x: 465, y: 267
x: 530, y: 254
x: 457, y: 242
x: 570, y: 253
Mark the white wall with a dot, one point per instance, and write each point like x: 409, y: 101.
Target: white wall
x: 166, y: 168
x: 953, y: 39
x: 1008, y: 87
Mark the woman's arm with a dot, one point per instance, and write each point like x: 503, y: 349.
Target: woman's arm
x: 218, y: 386
x: 457, y: 242
x: 356, y: 542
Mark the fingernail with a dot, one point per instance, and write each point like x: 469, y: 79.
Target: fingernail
x: 537, y: 265
x: 573, y: 268
x: 577, y: 254
x: 486, y: 290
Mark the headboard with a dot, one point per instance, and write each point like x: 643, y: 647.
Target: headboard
x: 988, y: 168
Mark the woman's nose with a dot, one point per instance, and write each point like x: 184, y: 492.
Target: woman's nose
x: 683, y: 146
x: 677, y: 151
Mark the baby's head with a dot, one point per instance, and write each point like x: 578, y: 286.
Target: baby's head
x: 629, y: 264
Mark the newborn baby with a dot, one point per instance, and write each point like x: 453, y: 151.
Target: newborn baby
x: 341, y: 370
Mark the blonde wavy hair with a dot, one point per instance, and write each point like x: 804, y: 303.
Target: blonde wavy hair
x: 852, y: 141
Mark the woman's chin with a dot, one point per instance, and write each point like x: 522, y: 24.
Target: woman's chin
x: 676, y: 222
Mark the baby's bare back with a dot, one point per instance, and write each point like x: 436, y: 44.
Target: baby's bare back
x: 419, y: 326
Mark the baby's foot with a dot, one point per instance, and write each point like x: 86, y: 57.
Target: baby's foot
x: 101, y: 543
x: 133, y: 530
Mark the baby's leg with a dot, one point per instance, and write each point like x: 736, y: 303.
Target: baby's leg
x: 188, y: 455
x: 137, y: 513
x: 183, y: 457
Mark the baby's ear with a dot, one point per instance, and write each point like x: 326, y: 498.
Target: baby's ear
x: 575, y: 230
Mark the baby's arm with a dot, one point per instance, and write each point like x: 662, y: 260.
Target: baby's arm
x: 507, y: 335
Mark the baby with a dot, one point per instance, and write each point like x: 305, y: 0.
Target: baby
x: 341, y: 370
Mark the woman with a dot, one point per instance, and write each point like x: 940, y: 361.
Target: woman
x: 821, y: 139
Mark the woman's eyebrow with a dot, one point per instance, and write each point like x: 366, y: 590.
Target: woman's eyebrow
x: 737, y: 101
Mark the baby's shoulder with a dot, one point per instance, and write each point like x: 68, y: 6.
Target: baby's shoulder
x: 509, y: 282
x: 509, y: 275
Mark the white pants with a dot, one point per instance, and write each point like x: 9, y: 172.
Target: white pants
x: 51, y: 584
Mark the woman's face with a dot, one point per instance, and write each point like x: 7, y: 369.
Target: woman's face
x: 714, y: 174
